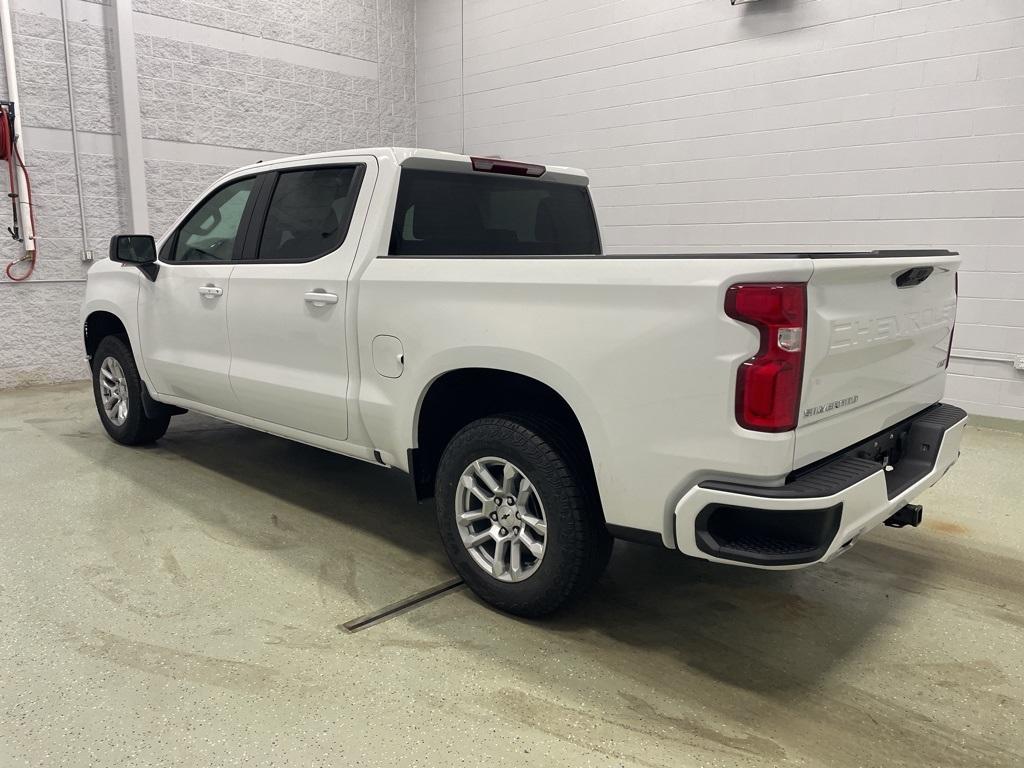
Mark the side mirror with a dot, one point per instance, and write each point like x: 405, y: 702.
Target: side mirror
x: 137, y: 250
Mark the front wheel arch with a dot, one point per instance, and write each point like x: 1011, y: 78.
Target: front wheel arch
x: 98, y: 325
x: 138, y: 424
x: 101, y: 324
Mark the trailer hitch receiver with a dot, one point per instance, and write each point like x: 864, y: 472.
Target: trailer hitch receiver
x: 909, y: 514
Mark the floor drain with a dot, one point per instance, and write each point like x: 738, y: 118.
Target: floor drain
x: 406, y: 604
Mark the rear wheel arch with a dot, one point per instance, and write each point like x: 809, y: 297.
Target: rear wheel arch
x: 461, y: 396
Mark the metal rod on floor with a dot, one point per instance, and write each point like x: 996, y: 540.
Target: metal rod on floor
x: 400, y: 607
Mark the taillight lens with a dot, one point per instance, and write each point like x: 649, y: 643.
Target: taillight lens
x: 768, y: 384
x: 956, y: 300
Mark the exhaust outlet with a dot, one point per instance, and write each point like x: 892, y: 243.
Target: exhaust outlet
x: 909, y: 514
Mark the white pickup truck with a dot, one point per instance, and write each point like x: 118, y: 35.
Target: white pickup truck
x: 455, y: 318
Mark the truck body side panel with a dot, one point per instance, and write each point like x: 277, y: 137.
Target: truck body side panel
x: 640, y: 349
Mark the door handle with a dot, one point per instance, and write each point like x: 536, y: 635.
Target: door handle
x: 210, y: 291
x: 320, y: 298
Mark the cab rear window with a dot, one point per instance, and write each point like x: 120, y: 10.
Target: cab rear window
x: 476, y: 214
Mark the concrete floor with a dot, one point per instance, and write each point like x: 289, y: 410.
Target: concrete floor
x: 181, y: 605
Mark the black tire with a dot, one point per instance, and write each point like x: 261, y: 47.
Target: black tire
x: 577, y: 543
x: 138, y: 428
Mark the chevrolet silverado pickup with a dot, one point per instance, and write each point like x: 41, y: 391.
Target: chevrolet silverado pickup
x: 456, y: 318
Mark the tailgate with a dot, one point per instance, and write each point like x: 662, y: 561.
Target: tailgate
x: 878, y: 333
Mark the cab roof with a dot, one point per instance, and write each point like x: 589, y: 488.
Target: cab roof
x: 413, y: 157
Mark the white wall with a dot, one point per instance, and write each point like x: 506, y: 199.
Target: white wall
x: 783, y: 124
x: 222, y: 83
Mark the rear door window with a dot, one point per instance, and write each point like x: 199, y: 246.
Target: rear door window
x: 477, y: 214
x: 309, y: 214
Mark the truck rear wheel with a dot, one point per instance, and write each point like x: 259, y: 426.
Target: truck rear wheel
x: 117, y: 388
x: 517, y: 515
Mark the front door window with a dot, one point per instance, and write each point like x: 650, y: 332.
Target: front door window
x: 209, y: 233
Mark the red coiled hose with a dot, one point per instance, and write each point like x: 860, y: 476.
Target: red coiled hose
x: 9, y: 151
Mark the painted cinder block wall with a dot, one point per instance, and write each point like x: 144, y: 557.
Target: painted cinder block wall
x: 781, y: 124
x: 221, y: 83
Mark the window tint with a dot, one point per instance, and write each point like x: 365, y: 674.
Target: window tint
x: 209, y: 233
x: 477, y: 214
x: 309, y: 213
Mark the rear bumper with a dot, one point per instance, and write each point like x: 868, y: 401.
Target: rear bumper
x: 822, y: 509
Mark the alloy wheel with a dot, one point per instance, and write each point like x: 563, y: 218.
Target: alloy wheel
x: 114, y: 391
x: 501, y: 519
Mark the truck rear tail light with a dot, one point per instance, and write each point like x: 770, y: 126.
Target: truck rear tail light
x: 768, y: 384
x: 493, y: 165
x: 956, y: 300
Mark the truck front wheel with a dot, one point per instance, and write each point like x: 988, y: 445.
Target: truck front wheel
x: 517, y: 515
x: 117, y: 388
